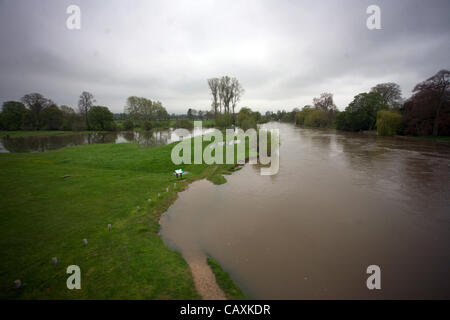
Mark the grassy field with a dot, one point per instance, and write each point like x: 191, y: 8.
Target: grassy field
x: 228, y: 286
x: 17, y: 134
x: 50, y: 201
x: 438, y: 138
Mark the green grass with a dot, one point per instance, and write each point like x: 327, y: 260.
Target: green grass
x: 228, y: 286
x: 438, y: 138
x: 44, y: 214
x: 17, y: 134
x: 208, y: 123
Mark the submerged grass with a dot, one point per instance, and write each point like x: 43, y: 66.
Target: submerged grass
x: 50, y: 201
x: 228, y: 286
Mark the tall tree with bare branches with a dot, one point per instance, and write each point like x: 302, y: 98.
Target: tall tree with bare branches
x: 85, y: 104
x: 226, y: 93
x: 213, y: 84
x: 237, y: 91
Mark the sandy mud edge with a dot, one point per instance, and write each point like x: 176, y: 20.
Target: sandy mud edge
x: 204, y: 279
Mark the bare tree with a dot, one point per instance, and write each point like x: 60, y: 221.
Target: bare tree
x: 237, y: 92
x: 390, y: 93
x: 226, y: 93
x: 213, y: 84
x: 36, y: 103
x: 325, y: 102
x: 222, y: 93
x: 85, y: 104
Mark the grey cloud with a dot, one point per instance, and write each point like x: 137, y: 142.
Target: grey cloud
x: 283, y: 52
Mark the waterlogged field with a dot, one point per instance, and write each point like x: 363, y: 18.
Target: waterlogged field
x: 51, y: 201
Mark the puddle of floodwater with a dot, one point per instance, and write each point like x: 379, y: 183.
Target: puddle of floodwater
x: 52, y: 142
x: 339, y: 203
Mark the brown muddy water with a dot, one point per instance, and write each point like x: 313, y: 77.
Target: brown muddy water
x: 339, y: 203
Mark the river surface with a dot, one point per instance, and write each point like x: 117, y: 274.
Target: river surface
x: 339, y: 203
x: 52, y: 142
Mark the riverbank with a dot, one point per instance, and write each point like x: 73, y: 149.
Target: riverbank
x: 19, y: 134
x: 29, y: 133
x: 53, y: 200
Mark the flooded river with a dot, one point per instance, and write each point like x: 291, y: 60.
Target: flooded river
x: 340, y: 203
x: 52, y: 142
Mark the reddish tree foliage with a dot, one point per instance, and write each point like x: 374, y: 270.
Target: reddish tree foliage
x: 427, y: 112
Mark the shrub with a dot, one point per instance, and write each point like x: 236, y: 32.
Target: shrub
x: 388, y: 122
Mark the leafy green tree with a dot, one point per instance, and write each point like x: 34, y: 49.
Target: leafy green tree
x: 160, y: 111
x: 147, y: 125
x: 36, y: 103
x: 246, y: 118
x: 142, y: 109
x: 100, y: 118
x: 69, y: 118
x: 361, y: 113
x: 52, y: 118
x: 12, y: 115
x: 128, y: 125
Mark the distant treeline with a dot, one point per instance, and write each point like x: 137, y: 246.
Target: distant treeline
x: 35, y: 112
x: 425, y: 113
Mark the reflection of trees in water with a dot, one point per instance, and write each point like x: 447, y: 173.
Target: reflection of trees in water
x: 44, y: 143
x: 153, y: 138
x: 101, y: 137
x: 19, y: 144
x: 128, y: 136
x: 40, y: 143
x: 52, y: 142
x: 147, y: 138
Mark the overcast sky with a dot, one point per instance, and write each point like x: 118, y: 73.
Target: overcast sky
x: 283, y: 52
